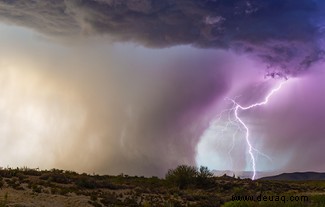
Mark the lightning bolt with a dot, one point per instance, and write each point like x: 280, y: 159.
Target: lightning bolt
x: 237, y: 107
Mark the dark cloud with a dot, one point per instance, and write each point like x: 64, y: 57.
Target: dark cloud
x: 283, y: 33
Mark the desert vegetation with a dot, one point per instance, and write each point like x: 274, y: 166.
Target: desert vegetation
x: 182, y: 186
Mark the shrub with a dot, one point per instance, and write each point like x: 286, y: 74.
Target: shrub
x: 64, y: 191
x: 109, y: 199
x: 85, y: 182
x: 204, y: 177
x: 56, y: 177
x: 54, y: 191
x: 182, y: 176
x: 37, y: 189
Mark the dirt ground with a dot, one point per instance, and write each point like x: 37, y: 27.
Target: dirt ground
x: 26, y: 198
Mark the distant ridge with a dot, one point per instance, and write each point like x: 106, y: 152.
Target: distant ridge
x: 243, y: 174
x: 296, y: 176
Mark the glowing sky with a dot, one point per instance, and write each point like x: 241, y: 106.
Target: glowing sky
x: 136, y: 86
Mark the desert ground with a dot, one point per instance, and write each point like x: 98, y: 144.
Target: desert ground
x: 56, y: 188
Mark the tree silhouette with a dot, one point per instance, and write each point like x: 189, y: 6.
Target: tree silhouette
x: 182, y: 176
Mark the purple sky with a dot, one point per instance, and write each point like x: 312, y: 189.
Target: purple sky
x: 130, y: 86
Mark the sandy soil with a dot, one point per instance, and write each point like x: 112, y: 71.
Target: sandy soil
x: 26, y: 198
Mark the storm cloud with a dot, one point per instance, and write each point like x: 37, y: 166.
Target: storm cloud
x: 104, y: 108
x: 286, y: 35
x: 135, y: 86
